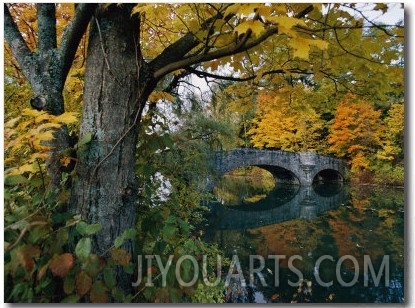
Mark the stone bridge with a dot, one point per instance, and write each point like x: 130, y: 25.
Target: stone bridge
x: 302, y: 168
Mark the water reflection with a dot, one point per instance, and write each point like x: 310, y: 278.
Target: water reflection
x: 309, y: 223
x: 285, y: 202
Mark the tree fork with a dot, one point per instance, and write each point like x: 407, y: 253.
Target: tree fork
x: 46, y: 69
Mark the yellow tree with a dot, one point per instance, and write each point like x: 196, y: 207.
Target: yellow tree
x: 393, y: 146
x: 279, y: 124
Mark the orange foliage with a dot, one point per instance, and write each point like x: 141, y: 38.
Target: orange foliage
x: 356, y: 132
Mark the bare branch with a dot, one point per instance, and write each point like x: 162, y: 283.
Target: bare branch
x: 374, y: 25
x: 241, y: 79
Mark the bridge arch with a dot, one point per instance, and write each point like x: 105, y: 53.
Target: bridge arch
x: 327, y: 174
x: 289, y: 167
x: 281, y: 174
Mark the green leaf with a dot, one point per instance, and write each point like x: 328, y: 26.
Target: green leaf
x: 184, y: 226
x: 98, y: 292
x: 84, y: 229
x: 69, y: 284
x: 15, y: 180
x: 148, y: 293
x: 71, y: 299
x: 37, y: 232
x: 109, y: 278
x: 81, y: 227
x: 118, y: 295
x: 129, y: 234
x: 85, y: 140
x: 91, y: 266
x: 171, y: 219
x: 93, y: 228
x: 168, y: 142
x: 83, y: 248
x: 118, y: 241
x: 169, y: 230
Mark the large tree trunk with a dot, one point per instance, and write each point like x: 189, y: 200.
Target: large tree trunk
x: 105, y: 187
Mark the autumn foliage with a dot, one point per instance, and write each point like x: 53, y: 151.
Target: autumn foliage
x: 299, y: 52
x: 356, y: 132
x: 289, y: 126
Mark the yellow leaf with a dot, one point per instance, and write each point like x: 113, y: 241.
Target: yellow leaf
x: 301, y: 49
x: 232, y: 9
x: 67, y: 118
x: 247, y: 9
x: 178, y: 72
x: 224, y: 40
x: 47, y: 126
x: 318, y: 43
x: 99, y: 293
x: 121, y: 256
x: 285, y: 24
x: 265, y: 10
x: 42, y: 117
x: 213, y: 65
x: 256, y: 27
x: 39, y: 155
x: 160, y: 95
x: 23, y: 125
x: 29, y: 167
x: 141, y: 8
x: 83, y: 283
x: 381, y: 6
x: 32, y: 113
x: 45, y: 136
x: 11, y: 123
x: 301, y: 46
x: 65, y: 161
x: 16, y: 143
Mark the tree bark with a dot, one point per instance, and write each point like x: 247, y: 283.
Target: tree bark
x: 116, y: 90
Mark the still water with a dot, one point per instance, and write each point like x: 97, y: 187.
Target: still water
x: 327, y: 243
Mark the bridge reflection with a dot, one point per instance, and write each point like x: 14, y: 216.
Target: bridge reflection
x: 285, y: 202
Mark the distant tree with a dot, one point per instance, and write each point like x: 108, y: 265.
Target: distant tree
x: 393, y: 145
x: 279, y: 124
x: 357, y: 131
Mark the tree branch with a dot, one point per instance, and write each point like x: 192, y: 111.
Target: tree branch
x: 236, y: 48
x: 179, y: 49
x: 239, y: 79
x: 15, y: 40
x: 73, y: 34
x: 352, y: 53
x: 46, y: 19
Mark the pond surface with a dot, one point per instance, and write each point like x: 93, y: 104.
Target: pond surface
x: 327, y: 243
